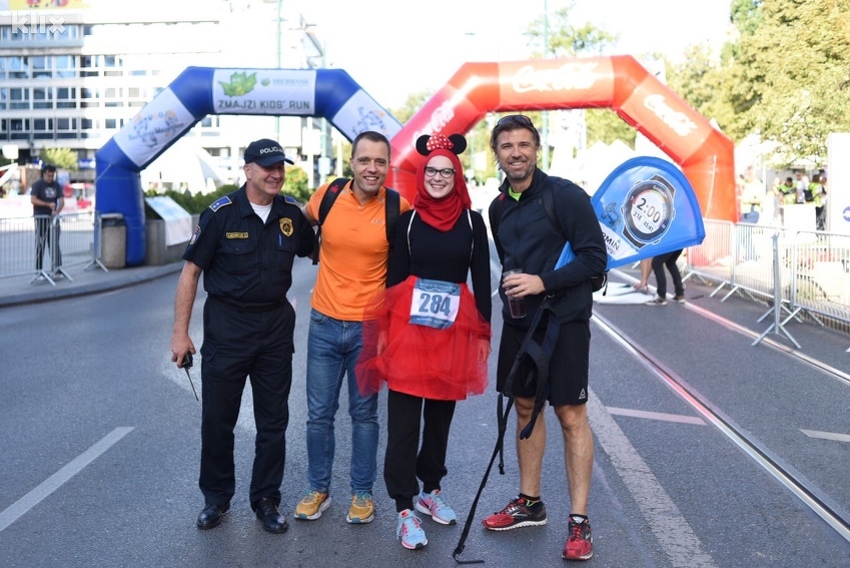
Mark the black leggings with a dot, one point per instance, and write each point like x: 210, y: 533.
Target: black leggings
x: 403, y: 464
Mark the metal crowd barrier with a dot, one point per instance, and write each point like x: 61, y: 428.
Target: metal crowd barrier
x: 63, y: 241
x: 711, y: 261
x: 801, y: 274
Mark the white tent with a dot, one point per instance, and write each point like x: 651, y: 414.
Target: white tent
x: 184, y: 163
x: 590, y: 167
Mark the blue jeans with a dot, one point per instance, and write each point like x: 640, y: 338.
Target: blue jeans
x: 332, y: 350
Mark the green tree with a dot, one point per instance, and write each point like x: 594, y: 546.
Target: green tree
x: 563, y: 39
x: 557, y: 36
x: 412, y: 105
x: 605, y: 125
x: 790, y: 73
x: 702, y: 80
x: 63, y: 158
x: 296, y: 184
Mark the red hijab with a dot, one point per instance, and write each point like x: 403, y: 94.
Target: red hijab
x: 443, y: 213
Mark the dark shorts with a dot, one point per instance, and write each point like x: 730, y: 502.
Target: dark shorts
x: 568, y: 368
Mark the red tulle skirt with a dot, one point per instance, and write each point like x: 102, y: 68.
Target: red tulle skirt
x: 439, y: 364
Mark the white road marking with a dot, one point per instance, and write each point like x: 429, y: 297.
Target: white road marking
x: 664, y: 519
x: 826, y: 435
x: 55, y: 481
x: 656, y: 415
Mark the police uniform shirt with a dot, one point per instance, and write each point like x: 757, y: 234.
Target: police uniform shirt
x: 242, y: 258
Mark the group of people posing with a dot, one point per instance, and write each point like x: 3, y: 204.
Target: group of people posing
x: 391, y: 307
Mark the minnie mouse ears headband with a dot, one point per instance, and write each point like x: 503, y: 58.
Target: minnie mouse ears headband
x: 427, y: 143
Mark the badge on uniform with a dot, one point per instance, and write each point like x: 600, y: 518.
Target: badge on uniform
x: 195, y: 235
x: 286, y: 227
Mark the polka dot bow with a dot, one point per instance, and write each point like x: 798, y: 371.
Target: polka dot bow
x: 439, y: 141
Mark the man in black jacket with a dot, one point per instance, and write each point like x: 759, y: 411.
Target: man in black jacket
x: 527, y: 239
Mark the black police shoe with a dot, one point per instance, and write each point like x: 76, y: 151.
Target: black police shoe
x: 273, y: 521
x: 211, y: 516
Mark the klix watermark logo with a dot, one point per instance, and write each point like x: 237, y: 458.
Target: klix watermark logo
x: 36, y: 21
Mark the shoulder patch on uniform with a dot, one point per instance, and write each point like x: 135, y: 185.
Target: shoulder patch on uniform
x: 220, y: 202
x: 292, y: 200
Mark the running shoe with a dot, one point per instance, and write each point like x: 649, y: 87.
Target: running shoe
x: 680, y: 299
x: 409, y: 531
x: 579, y: 545
x: 657, y: 301
x: 362, y: 508
x: 312, y: 506
x: 518, y: 513
x: 435, y: 505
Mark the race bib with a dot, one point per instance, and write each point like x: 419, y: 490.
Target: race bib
x: 435, y: 303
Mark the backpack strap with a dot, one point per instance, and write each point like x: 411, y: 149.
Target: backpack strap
x: 393, y: 211
x: 549, y: 207
x: 599, y: 281
x: 496, y: 213
x: 472, y: 230
x: 410, y: 224
x: 469, y: 220
x: 334, y: 189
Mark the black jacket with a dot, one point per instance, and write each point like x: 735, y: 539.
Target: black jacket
x: 527, y: 239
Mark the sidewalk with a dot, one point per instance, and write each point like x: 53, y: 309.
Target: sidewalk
x: 19, y: 289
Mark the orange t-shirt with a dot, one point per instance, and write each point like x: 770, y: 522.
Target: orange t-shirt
x: 354, y: 253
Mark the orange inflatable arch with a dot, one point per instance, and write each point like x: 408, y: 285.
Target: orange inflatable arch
x: 705, y: 154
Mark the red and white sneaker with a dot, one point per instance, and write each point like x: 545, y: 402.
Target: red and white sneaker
x: 518, y: 513
x: 579, y: 545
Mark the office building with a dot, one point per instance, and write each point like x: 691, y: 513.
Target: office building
x: 72, y: 72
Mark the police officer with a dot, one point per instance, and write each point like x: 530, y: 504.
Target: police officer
x: 245, y: 244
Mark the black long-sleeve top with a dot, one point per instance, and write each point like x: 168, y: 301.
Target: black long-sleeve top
x: 527, y: 239
x: 438, y: 255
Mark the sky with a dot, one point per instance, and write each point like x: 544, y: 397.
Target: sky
x: 393, y: 48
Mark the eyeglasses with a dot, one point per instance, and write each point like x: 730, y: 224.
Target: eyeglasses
x: 520, y: 119
x: 444, y: 172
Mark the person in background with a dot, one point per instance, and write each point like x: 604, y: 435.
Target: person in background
x: 788, y: 191
x: 430, y: 339
x: 352, y: 271
x: 658, y: 263
x: 752, y: 196
x: 820, y: 204
x: 528, y: 240
x: 47, y: 202
x: 801, y: 185
x: 245, y: 244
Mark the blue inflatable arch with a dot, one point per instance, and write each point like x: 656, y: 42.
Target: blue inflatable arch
x: 200, y: 91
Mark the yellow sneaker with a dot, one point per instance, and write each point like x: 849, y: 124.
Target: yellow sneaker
x: 362, y: 508
x: 312, y: 506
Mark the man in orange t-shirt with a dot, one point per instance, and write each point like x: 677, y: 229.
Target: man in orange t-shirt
x: 352, y: 272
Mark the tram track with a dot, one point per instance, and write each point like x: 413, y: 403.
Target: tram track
x: 819, y: 503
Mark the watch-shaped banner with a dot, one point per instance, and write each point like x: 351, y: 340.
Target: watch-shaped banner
x: 646, y: 207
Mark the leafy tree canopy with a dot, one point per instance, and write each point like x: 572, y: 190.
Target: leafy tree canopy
x: 63, y: 158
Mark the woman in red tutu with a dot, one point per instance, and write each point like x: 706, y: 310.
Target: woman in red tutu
x: 430, y: 337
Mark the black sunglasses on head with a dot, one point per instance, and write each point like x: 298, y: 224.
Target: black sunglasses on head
x: 520, y: 119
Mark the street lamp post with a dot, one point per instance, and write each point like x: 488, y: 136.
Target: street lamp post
x: 279, y: 38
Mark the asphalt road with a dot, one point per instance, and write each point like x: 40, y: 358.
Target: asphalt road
x: 100, y: 451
